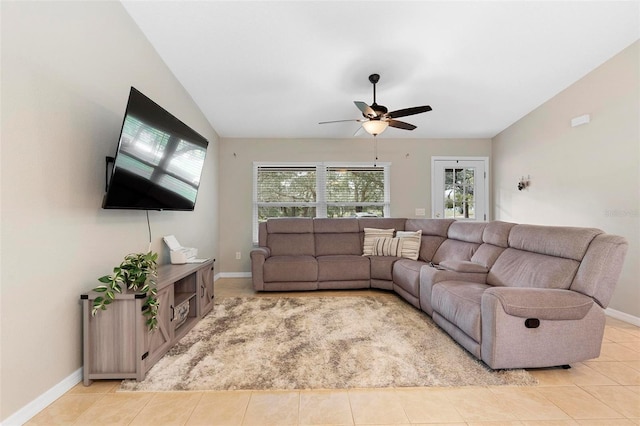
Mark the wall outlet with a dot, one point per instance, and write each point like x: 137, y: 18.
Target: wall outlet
x: 421, y: 212
x: 238, y: 255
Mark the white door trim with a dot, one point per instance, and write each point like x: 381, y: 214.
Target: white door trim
x: 463, y: 158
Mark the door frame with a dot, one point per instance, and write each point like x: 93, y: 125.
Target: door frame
x: 487, y: 171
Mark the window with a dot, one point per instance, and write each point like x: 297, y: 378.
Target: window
x: 319, y: 190
x: 286, y: 191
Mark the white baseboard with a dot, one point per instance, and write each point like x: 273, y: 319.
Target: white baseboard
x: 24, y: 414
x: 622, y: 316
x: 234, y: 275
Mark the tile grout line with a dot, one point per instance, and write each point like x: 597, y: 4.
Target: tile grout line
x: 246, y: 408
x: 194, y: 408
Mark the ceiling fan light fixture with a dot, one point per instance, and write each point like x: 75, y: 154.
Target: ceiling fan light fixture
x: 375, y: 127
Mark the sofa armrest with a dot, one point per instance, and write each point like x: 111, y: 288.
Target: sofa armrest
x: 524, y: 327
x: 430, y: 275
x: 463, y: 266
x: 539, y: 303
x: 261, y: 251
x: 258, y: 256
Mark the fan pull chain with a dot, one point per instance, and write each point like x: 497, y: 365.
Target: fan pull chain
x: 375, y: 150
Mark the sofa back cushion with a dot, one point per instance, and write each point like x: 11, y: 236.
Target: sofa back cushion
x: 337, y: 236
x: 434, y: 232
x: 428, y: 247
x: 495, y: 239
x: 497, y: 233
x: 541, y: 256
x: 436, y: 227
x: 262, y: 234
x: 381, y: 223
x: 470, y: 232
x: 463, y: 240
x: 560, y: 241
x: 454, y: 250
x: 519, y: 268
x: 487, y: 254
x: 601, y: 267
x: 290, y: 236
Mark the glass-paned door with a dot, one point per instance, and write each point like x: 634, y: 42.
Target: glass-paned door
x: 459, y: 189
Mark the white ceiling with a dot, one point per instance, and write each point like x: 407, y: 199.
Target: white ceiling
x: 277, y: 68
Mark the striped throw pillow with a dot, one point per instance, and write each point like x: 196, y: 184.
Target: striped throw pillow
x: 410, y: 243
x: 387, y: 247
x: 370, y: 234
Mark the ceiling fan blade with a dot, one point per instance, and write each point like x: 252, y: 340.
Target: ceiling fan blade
x: 359, y: 131
x: 401, y: 125
x: 366, y: 109
x: 408, y: 111
x: 338, y: 121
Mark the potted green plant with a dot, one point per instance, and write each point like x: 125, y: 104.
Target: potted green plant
x: 138, y: 272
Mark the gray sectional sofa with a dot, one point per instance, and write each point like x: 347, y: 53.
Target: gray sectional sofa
x: 514, y: 296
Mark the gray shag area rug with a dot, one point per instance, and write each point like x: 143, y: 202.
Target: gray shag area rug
x: 318, y: 343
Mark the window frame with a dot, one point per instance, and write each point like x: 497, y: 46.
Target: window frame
x: 321, y: 203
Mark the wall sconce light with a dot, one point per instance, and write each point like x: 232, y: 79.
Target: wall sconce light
x: 524, y: 183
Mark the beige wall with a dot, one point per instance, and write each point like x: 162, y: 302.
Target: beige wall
x: 410, y: 176
x: 581, y: 176
x: 66, y: 72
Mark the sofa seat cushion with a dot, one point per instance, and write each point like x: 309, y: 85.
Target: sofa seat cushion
x: 459, y: 303
x: 382, y: 267
x: 343, y: 268
x: 290, y: 268
x: 406, y: 275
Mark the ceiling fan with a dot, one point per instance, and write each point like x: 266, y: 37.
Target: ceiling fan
x: 377, y: 117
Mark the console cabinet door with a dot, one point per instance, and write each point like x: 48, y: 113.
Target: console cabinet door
x: 205, y: 290
x: 161, y: 339
x: 114, y: 339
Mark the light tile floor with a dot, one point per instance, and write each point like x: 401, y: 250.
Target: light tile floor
x: 603, y: 391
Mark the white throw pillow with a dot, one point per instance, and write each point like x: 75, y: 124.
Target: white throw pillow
x: 387, y: 246
x: 410, y: 243
x: 370, y: 234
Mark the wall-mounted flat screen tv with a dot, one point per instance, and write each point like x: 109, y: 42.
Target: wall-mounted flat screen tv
x: 158, y: 162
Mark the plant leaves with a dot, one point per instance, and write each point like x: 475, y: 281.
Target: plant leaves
x: 137, y: 271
